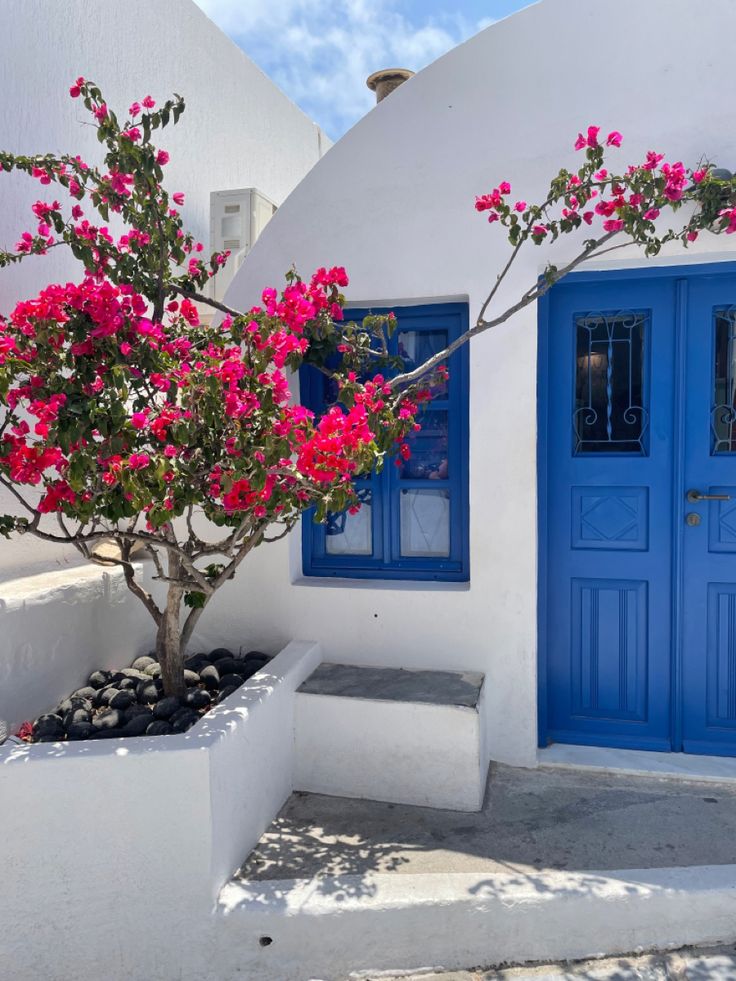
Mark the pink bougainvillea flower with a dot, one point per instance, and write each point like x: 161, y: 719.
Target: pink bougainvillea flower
x: 162, y: 158
x: 148, y: 102
x: 178, y: 198
x: 613, y: 224
x: 614, y: 138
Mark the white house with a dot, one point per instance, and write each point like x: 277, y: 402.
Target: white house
x: 573, y: 570
x: 238, y: 131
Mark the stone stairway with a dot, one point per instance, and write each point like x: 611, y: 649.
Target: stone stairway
x: 388, y: 734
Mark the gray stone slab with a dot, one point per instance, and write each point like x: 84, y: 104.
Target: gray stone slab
x: 395, y: 684
x: 532, y: 820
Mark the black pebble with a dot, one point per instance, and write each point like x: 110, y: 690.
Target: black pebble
x: 166, y: 707
x: 122, y: 700
x: 138, y: 725
x: 230, y: 681
x: 225, y: 693
x: 86, y: 692
x: 147, y: 692
x: 81, y: 730
x: 197, y: 698
x: 219, y: 653
x: 159, y: 727
x: 76, y: 716
x: 211, y: 677
x: 111, y: 719
x: 98, y: 679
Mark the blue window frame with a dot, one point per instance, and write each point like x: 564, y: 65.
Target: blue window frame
x: 414, y: 520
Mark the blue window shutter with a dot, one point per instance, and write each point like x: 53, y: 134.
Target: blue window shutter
x: 393, y: 496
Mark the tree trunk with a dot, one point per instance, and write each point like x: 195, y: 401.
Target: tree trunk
x: 168, y: 638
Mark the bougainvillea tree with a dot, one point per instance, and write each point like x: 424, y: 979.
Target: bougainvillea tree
x: 128, y: 416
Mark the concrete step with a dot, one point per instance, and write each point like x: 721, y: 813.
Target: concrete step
x: 387, y: 734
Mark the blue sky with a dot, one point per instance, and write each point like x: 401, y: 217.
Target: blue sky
x: 320, y: 52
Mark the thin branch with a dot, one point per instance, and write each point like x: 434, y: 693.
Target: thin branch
x: 201, y: 298
x: 534, y: 293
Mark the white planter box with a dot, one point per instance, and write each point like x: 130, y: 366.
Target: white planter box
x: 131, y: 839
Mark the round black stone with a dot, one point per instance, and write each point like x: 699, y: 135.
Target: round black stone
x: 122, y: 700
x: 159, y: 727
x: 225, y: 693
x: 229, y: 665
x: 197, y: 698
x: 81, y: 730
x: 107, y: 694
x: 135, y: 709
x: 230, y: 681
x: 138, y: 725
x: 99, y: 679
x: 211, y: 677
x: 86, y: 692
x: 219, y: 653
x: 48, y: 728
x: 195, y: 662
x: 184, y: 722
x: 147, y: 692
x: 76, y: 716
x: 166, y: 707
x: 110, y: 719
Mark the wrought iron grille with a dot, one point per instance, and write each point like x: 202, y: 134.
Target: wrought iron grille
x: 610, y: 414
x: 723, y: 413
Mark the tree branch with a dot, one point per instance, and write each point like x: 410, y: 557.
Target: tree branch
x: 532, y: 294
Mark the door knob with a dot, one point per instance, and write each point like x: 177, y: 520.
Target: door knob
x: 694, y: 496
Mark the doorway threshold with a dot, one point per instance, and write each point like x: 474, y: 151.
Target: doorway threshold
x: 639, y: 762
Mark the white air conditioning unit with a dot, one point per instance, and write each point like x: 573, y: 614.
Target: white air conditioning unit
x: 237, y: 218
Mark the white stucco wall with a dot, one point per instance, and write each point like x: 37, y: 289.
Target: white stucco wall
x: 239, y: 129
x: 399, y: 189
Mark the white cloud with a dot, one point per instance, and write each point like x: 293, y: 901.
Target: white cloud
x: 320, y: 52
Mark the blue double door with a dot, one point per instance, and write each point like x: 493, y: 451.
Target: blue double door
x: 638, y: 512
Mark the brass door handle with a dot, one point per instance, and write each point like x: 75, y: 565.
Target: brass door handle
x: 694, y: 496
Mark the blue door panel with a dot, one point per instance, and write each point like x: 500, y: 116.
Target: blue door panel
x: 639, y: 580
x: 709, y: 548
x: 609, y: 521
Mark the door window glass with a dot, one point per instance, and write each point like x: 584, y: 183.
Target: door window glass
x: 610, y: 414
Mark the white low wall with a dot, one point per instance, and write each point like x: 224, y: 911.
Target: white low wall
x: 401, y: 752
x: 112, y: 853
x: 58, y: 627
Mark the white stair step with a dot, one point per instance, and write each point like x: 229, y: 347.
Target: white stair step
x: 409, y: 737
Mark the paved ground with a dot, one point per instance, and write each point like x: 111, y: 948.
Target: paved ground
x: 715, y: 964
x: 531, y: 820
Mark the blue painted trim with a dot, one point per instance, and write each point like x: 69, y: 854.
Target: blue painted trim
x: 726, y: 266
x: 678, y: 477
x: 386, y: 562
x: 542, y: 529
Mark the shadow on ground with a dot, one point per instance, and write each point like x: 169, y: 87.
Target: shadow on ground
x: 532, y: 820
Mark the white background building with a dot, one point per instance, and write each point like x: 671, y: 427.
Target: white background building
x: 239, y: 130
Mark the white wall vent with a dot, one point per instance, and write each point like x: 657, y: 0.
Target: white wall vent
x: 237, y: 218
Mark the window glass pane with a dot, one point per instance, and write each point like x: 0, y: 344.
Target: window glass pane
x: 610, y: 414
x: 425, y: 523
x: 350, y: 534
x: 723, y: 414
x: 416, y: 346
x: 429, y: 458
